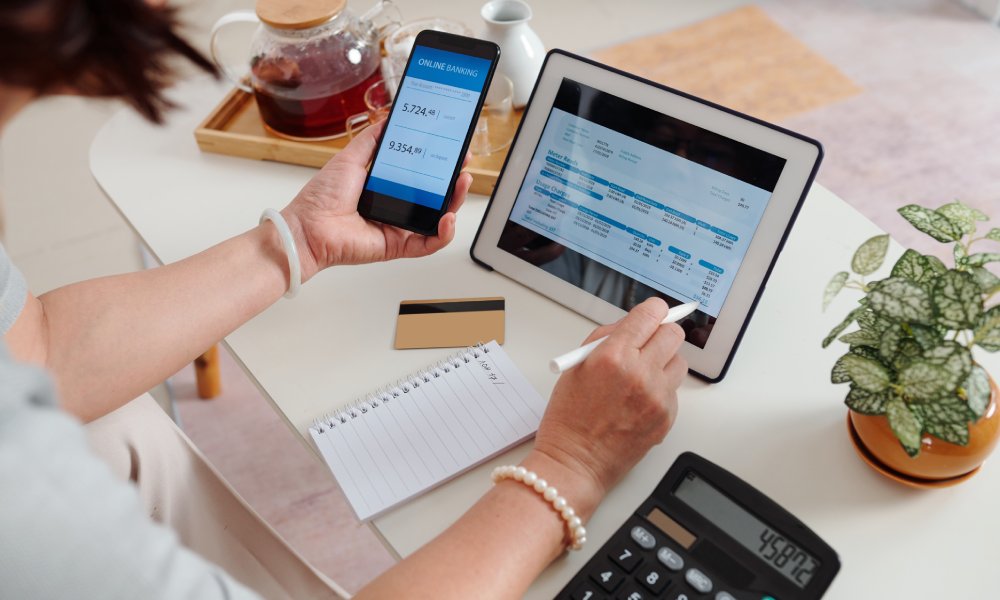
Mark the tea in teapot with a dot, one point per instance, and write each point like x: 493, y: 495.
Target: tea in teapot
x: 312, y: 61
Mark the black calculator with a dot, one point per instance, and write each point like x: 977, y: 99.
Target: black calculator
x: 706, y: 534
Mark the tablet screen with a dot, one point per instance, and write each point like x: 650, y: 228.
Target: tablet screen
x: 628, y: 203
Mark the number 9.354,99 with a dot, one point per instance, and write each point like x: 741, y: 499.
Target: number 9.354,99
x: 405, y: 148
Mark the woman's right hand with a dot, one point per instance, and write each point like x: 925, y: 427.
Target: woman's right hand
x: 605, y: 414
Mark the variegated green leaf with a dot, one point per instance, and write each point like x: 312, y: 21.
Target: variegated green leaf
x: 932, y: 223
x: 988, y: 282
x: 923, y: 381
x: 833, y: 288
x: 909, y: 351
x: 987, y: 334
x: 851, y: 316
x: 867, y: 320
x: 928, y: 337
x: 960, y: 253
x: 958, y: 301
x: 867, y: 352
x: 981, y: 258
x: 963, y: 216
x: 870, y: 255
x: 911, y: 265
x: 839, y: 373
x: 954, y: 433
x: 867, y: 374
x: 904, y: 424
x: 865, y: 402
x: 950, y: 410
x: 889, y: 343
x: 954, y: 358
x: 994, y: 234
x: 901, y: 300
x: 935, y: 265
x: 861, y: 337
x: 977, y: 390
x: 870, y: 321
x: 948, y: 421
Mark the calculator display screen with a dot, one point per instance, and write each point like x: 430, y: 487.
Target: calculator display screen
x: 769, y: 544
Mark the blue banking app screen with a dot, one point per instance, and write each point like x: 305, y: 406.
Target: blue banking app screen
x: 431, y: 114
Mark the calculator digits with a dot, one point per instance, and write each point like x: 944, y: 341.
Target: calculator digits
x: 705, y: 534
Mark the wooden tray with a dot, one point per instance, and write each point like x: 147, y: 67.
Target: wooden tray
x: 235, y: 128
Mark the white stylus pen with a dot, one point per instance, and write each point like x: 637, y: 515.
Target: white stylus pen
x: 574, y: 357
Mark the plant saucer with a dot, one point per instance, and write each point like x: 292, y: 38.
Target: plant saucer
x: 907, y: 480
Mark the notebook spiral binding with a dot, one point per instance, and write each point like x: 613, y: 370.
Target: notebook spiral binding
x: 388, y: 393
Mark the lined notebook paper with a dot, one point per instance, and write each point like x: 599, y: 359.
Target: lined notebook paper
x: 408, y: 437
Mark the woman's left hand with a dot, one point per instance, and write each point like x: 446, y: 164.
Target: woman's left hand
x: 328, y: 229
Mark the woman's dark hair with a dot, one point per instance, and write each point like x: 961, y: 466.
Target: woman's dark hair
x: 117, y: 48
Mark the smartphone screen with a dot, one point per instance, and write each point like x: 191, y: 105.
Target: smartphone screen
x: 420, y: 154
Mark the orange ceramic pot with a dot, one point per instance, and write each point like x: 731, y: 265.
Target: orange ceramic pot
x: 938, y: 460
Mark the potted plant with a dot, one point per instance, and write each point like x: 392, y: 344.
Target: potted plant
x: 921, y: 409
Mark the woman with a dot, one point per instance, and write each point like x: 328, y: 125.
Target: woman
x: 71, y: 528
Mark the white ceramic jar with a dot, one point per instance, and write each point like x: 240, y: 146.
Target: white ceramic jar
x: 521, y: 50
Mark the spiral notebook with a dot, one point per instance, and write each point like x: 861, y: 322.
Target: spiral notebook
x: 410, y: 436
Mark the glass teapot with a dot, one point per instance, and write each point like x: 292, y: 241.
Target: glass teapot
x: 311, y: 62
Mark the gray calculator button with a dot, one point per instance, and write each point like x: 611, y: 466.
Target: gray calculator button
x: 698, y: 580
x: 673, y: 560
x: 724, y: 596
x: 643, y: 538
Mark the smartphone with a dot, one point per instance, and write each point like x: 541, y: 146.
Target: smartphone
x: 419, y: 156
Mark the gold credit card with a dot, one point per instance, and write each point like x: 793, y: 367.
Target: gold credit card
x: 449, y: 323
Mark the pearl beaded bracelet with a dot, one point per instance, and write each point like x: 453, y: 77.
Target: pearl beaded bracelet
x: 577, y: 533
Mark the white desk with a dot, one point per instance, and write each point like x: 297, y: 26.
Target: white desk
x: 775, y: 420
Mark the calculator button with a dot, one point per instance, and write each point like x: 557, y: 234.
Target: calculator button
x: 653, y: 578
x: 670, y: 558
x: 588, y: 591
x: 626, y: 556
x: 607, y: 577
x: 633, y: 592
x: 725, y: 596
x: 643, y: 538
x: 698, y: 580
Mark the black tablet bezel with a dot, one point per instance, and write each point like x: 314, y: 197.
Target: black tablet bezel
x: 780, y: 243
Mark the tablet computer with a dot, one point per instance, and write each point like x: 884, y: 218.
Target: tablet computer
x: 617, y: 188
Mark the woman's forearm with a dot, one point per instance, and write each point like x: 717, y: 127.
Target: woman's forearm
x: 498, y: 547
x: 108, y: 340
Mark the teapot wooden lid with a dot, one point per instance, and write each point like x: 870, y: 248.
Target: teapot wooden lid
x: 298, y: 14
